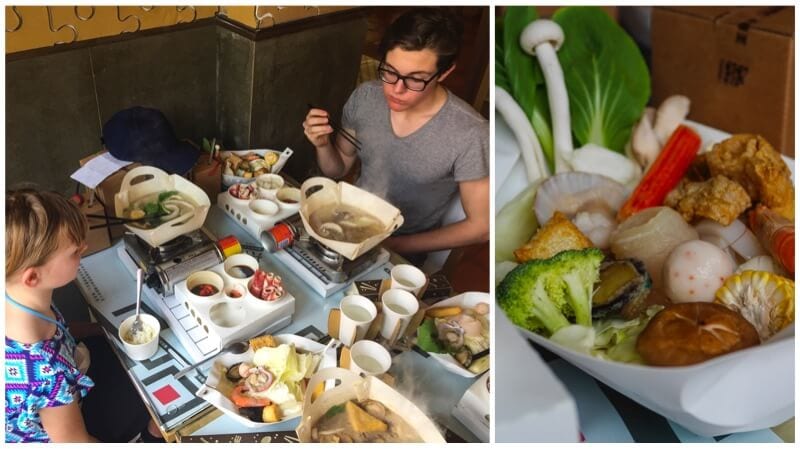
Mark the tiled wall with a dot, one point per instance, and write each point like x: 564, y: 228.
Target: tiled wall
x: 208, y: 81
x: 56, y: 104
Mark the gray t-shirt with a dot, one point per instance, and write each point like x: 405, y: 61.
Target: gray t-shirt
x: 419, y: 173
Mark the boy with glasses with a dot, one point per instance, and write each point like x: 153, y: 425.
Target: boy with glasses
x: 421, y: 146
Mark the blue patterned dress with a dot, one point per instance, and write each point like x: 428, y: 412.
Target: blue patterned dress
x: 38, y: 375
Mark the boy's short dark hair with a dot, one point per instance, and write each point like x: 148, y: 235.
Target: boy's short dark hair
x: 433, y: 28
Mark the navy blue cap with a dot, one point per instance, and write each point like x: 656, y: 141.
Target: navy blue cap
x: 145, y: 135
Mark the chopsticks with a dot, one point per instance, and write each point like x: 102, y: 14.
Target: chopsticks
x: 115, y: 221
x: 349, y: 137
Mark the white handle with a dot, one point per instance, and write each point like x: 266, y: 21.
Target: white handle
x: 282, y: 159
x: 158, y: 175
x: 346, y: 376
x: 317, y: 181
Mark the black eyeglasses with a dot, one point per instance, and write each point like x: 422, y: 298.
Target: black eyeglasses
x: 411, y: 83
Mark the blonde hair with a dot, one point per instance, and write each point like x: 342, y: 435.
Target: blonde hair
x: 36, y: 223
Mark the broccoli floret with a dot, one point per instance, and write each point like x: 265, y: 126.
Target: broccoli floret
x: 547, y: 294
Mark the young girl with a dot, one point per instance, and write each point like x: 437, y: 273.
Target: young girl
x: 45, y: 368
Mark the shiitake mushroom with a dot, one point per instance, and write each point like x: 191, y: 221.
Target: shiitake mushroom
x: 232, y: 373
x: 252, y: 413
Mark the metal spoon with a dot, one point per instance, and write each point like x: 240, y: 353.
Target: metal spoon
x: 238, y: 347
x: 137, y: 327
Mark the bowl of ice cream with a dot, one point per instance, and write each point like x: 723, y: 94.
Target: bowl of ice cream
x: 144, y: 344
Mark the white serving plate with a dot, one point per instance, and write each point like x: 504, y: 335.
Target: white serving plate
x: 258, y: 315
x: 229, y: 180
x: 742, y: 391
x: 469, y: 299
x: 209, y: 393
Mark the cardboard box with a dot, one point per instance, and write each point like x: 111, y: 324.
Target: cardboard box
x: 208, y: 176
x: 106, y: 190
x: 100, y: 238
x: 736, y: 64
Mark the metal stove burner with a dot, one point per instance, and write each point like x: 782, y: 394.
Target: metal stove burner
x: 328, y: 265
x: 328, y: 255
x: 173, y: 247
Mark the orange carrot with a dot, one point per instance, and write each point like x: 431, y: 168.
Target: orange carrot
x: 665, y: 173
x: 775, y: 233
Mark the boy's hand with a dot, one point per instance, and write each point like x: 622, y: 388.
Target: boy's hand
x: 316, y: 127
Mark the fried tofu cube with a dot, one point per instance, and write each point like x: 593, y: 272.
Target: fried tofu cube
x: 264, y: 341
x: 558, y: 234
x: 271, y: 413
x: 362, y: 421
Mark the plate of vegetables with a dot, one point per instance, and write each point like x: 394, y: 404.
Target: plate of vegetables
x: 653, y: 252
x: 265, y: 385
x: 455, y: 332
x: 244, y: 166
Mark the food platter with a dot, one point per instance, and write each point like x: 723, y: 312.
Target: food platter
x: 741, y: 391
x: 469, y: 299
x: 281, y: 158
x: 216, y: 384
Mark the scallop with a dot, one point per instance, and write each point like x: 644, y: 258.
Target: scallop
x: 572, y: 192
x: 695, y: 270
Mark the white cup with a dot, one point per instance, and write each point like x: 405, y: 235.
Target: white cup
x: 399, y: 306
x: 369, y: 358
x: 144, y: 350
x: 356, y: 314
x: 408, y: 278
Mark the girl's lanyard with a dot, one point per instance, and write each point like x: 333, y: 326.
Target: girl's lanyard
x: 39, y: 315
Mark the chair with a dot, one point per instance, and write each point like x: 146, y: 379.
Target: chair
x: 436, y: 260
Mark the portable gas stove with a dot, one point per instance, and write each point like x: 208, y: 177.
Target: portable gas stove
x: 166, y: 265
x: 324, y: 270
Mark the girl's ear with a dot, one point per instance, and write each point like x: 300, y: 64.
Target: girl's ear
x: 446, y: 73
x: 30, y: 277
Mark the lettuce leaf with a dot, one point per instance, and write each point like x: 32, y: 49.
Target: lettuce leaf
x: 609, y: 339
x: 426, y: 337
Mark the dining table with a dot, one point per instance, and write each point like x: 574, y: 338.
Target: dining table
x: 109, y: 290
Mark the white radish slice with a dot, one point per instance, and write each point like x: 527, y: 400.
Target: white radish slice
x: 735, y: 236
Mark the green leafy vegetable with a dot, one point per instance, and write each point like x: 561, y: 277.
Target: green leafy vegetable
x: 609, y: 339
x: 335, y: 410
x: 151, y: 209
x: 164, y: 195
x: 606, y: 77
x: 426, y: 337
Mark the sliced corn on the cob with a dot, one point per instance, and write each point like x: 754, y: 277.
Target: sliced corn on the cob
x: 766, y: 300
